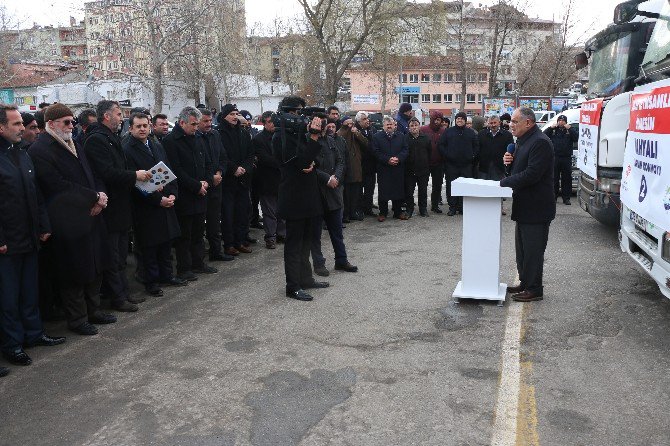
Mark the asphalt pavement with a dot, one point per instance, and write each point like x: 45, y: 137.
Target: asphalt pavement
x: 382, y: 357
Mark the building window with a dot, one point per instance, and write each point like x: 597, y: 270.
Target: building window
x: 483, y: 77
x: 437, y: 78
x: 437, y: 98
x: 471, y: 98
x: 425, y: 77
x: 448, y: 77
x: 402, y: 78
x: 458, y: 77
x: 425, y: 98
x: 480, y: 98
x: 472, y: 77
x: 458, y: 98
x: 413, y: 78
x: 448, y: 98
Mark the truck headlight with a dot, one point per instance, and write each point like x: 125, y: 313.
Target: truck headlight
x: 609, y: 185
x: 665, y: 247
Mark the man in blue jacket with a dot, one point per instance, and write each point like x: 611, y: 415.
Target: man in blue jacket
x: 534, y: 205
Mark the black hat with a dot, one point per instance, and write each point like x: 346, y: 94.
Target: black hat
x: 228, y: 109
x: 405, y: 107
x: 246, y: 115
x: 461, y: 115
x: 27, y: 118
x: 505, y: 117
x: 562, y: 118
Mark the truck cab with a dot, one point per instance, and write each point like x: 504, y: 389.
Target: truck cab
x: 614, y: 56
x: 645, y: 212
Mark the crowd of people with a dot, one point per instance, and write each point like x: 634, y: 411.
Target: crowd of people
x: 71, y: 207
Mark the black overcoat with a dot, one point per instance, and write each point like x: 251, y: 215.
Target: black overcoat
x: 237, y: 143
x: 391, y: 179
x: 20, y: 199
x: 105, y: 155
x: 268, y: 170
x: 532, y: 179
x: 78, y: 241
x: 191, y: 164
x: 331, y: 161
x: 154, y: 224
x: 299, y: 195
x: 491, y: 152
x: 418, y: 160
x: 459, y: 146
x: 217, y: 155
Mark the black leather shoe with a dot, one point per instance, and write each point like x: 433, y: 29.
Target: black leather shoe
x: 348, y: 267
x: 299, y: 295
x: 102, y: 318
x: 137, y: 299
x: 175, y: 281
x: 47, y: 341
x: 526, y: 296
x: 205, y: 269
x: 515, y: 289
x: 17, y: 357
x: 436, y: 210
x: 221, y: 258
x: 451, y: 212
x: 85, y: 329
x: 154, y: 290
x: 125, y: 307
x: 316, y: 284
x: 321, y: 271
x: 567, y: 202
x: 188, y: 276
x: 4, y: 371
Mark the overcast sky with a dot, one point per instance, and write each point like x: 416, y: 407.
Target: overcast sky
x: 593, y: 15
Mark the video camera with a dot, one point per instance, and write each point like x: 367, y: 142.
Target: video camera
x: 296, y: 123
x: 376, y: 122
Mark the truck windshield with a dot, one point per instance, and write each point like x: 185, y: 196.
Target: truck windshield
x: 659, y: 44
x: 609, y: 65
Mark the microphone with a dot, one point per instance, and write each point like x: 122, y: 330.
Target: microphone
x: 510, y: 149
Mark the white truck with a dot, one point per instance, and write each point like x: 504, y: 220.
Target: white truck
x: 615, y: 56
x: 645, y: 185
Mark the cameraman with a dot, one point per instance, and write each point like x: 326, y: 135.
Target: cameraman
x: 299, y: 200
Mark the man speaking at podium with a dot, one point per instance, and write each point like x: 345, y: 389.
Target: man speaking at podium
x: 534, y: 206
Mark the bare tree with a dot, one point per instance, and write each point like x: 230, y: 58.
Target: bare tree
x: 341, y: 28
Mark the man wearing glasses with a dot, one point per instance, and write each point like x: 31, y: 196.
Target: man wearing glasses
x: 533, y: 205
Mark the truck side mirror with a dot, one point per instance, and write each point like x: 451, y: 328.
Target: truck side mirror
x: 581, y: 61
x: 625, y: 12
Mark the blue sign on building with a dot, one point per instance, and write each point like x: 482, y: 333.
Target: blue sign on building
x: 6, y: 96
x: 408, y: 90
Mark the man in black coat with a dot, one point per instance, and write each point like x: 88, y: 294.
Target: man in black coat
x: 155, y: 221
x: 417, y: 168
x: 563, y: 137
x: 330, y: 164
x: 459, y: 146
x: 299, y: 200
x: 391, y: 150
x: 217, y: 155
x: 368, y: 164
x: 268, y: 173
x: 533, y: 205
x: 193, y: 168
x: 493, y: 142
x: 75, y: 198
x: 23, y: 225
x: 237, y: 181
x: 105, y: 155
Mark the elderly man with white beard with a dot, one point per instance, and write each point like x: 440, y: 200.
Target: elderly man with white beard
x: 74, y: 198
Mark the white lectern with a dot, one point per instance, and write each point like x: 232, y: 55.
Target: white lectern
x: 482, y: 227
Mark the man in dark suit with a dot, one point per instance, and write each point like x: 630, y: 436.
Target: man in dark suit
x: 155, y: 221
x: 23, y: 225
x: 563, y: 137
x: 268, y: 174
x: 193, y: 168
x: 75, y: 198
x: 217, y: 154
x: 534, y: 205
x: 105, y: 155
x: 391, y: 151
x: 236, y: 183
x: 299, y: 199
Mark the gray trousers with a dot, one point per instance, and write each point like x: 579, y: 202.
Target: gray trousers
x: 273, y: 226
x: 531, y: 242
